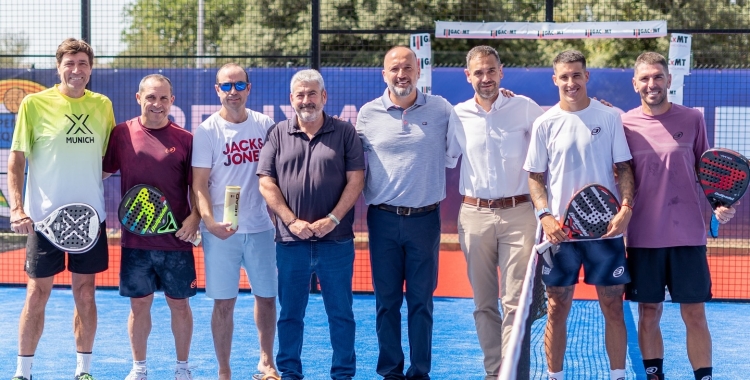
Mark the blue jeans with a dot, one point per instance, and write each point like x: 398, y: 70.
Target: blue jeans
x: 333, y: 262
x: 404, y: 249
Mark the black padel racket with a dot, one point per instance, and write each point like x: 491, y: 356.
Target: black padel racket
x: 724, y: 176
x: 144, y: 211
x: 587, y: 215
x: 73, y: 228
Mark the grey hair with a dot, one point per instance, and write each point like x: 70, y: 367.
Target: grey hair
x: 157, y: 77
x: 309, y: 75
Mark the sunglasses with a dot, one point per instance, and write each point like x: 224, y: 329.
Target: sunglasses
x: 239, y: 86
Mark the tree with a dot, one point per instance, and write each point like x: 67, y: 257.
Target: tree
x: 168, y: 28
x: 15, y: 45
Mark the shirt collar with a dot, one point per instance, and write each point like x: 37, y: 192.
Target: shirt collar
x: 497, y: 104
x: 388, y: 104
x: 327, y: 125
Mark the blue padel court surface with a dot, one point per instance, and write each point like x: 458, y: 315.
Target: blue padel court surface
x: 456, y: 353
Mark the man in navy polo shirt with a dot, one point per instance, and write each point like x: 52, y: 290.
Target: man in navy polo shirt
x: 404, y: 133
x: 311, y: 172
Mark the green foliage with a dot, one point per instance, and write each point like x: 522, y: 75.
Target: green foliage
x: 168, y: 28
x: 268, y: 33
x: 12, y: 44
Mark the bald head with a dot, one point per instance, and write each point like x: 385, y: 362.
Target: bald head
x: 399, y: 52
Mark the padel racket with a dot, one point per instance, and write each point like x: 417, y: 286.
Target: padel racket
x: 144, y: 211
x: 73, y: 228
x: 724, y: 176
x: 586, y: 217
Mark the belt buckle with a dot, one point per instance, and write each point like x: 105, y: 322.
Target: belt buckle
x: 399, y: 211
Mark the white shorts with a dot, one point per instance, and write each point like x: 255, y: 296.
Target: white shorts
x: 256, y: 252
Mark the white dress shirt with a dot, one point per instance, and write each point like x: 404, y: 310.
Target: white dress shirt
x: 493, y: 144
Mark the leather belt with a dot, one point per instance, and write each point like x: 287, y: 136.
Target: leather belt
x: 508, y: 202
x: 406, y: 211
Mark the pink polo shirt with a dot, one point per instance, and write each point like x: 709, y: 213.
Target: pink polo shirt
x: 666, y: 149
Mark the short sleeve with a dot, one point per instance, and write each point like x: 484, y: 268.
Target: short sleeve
x: 202, y: 155
x: 111, y: 161
x: 620, y: 149
x: 354, y: 155
x: 537, y: 158
x: 22, y: 134
x: 267, y: 160
x: 109, y: 125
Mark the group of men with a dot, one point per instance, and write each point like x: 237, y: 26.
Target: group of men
x: 310, y: 170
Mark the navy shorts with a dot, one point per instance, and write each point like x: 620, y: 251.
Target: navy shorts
x: 45, y: 260
x: 683, y: 270
x: 603, y: 263
x: 143, y: 272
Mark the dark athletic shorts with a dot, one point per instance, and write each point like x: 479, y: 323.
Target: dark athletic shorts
x: 603, y: 263
x: 683, y: 270
x: 44, y: 259
x: 142, y: 272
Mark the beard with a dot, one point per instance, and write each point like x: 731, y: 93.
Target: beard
x: 400, y: 91
x: 656, y: 101
x: 487, y: 93
x: 308, y: 112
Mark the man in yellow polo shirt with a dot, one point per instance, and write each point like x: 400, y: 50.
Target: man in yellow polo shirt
x: 63, y: 133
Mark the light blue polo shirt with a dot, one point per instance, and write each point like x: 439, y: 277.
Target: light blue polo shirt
x: 406, y: 150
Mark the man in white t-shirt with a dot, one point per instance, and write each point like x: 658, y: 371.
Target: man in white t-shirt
x: 496, y: 223
x: 226, y: 148
x: 576, y: 143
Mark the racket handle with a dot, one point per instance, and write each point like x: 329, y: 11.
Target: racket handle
x: 543, y: 246
x: 714, y: 227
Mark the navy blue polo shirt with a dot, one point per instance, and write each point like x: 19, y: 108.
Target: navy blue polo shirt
x: 311, y: 173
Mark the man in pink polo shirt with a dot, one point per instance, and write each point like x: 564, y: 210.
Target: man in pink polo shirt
x: 667, y: 234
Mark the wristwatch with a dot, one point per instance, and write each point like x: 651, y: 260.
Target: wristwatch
x: 541, y: 213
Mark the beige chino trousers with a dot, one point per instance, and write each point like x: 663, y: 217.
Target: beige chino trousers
x: 492, y: 239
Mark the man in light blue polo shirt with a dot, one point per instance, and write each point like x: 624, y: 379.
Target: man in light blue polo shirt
x: 404, y: 137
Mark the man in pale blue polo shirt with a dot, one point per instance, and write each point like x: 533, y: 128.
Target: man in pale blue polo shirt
x: 404, y: 136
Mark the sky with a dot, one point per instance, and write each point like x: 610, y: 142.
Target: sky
x: 47, y: 22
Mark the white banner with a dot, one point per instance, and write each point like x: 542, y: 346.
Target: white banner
x: 675, y: 90
x: 550, y: 30
x: 679, y: 54
x: 421, y: 46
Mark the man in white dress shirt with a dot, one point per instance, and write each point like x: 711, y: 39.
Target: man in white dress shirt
x: 496, y: 224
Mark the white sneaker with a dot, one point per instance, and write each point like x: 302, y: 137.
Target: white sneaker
x: 182, y: 374
x: 134, y: 375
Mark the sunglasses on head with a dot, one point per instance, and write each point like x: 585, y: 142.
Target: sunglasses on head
x: 239, y: 86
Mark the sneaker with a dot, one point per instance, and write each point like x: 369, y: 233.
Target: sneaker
x: 84, y: 376
x: 21, y: 378
x: 134, y: 375
x: 182, y: 374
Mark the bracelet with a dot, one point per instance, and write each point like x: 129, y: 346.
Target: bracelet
x: 290, y: 222
x: 334, y: 219
x: 628, y: 206
x: 20, y: 220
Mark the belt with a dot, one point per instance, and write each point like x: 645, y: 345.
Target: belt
x: 497, y: 203
x: 406, y: 211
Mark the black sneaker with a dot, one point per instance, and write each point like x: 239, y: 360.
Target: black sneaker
x: 83, y: 376
x: 21, y: 378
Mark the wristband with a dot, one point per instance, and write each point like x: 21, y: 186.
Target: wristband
x: 541, y: 213
x: 290, y: 222
x: 334, y: 219
x: 628, y: 206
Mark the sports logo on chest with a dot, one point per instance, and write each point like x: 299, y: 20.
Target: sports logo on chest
x: 78, y: 132
x: 242, y: 151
